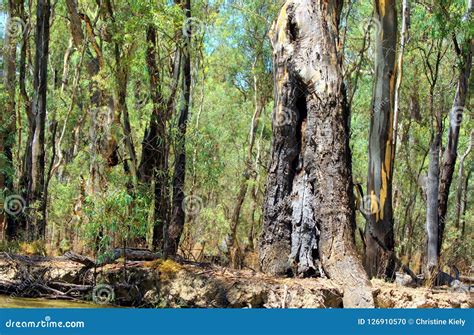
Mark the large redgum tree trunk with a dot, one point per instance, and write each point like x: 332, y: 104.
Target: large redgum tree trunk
x: 309, y: 215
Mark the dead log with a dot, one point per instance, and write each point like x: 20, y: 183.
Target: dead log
x: 86, y: 261
x: 131, y: 255
x: 466, y: 279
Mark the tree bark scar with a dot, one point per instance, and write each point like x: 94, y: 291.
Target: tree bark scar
x: 381, y: 7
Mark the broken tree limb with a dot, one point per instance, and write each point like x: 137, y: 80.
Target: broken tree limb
x: 131, y: 255
x: 86, y: 261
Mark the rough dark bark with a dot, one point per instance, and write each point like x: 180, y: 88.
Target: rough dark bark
x: 36, y: 188
x: 154, y: 134
x: 379, y: 234
x: 110, y: 147
x: 155, y: 146
x: 175, y: 228
x: 275, y: 241
x: 309, y: 210
x: 451, y: 150
x: 127, y: 130
x: 154, y: 159
x: 75, y: 23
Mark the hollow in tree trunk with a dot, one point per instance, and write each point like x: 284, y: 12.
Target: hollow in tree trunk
x: 309, y: 215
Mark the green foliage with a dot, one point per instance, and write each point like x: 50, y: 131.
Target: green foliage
x: 10, y: 247
x: 231, y: 73
x: 114, y: 217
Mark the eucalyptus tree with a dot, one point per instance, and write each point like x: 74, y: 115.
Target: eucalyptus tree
x: 309, y: 214
x: 379, y: 233
x: 458, y: 111
x: 178, y: 215
x: 37, y: 173
x: 13, y: 33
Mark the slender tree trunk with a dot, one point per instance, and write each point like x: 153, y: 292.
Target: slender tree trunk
x: 248, y: 172
x: 110, y: 147
x: 70, y: 154
x: 396, y: 102
x: 153, y: 137
x: 75, y: 23
x: 432, y: 180
x: 25, y: 169
x: 39, y: 111
x: 67, y: 58
x: 127, y: 130
x: 379, y: 234
x: 122, y: 77
x: 451, y: 151
x: 174, y: 230
x: 462, y: 182
x: 464, y: 204
x: 401, y: 53
x: 48, y: 172
x: 255, y: 224
x: 309, y: 211
x: 8, y: 224
x: 432, y: 218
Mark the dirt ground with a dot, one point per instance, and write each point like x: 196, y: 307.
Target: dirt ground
x: 170, y: 284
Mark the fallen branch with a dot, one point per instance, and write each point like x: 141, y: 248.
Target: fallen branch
x: 86, y: 261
